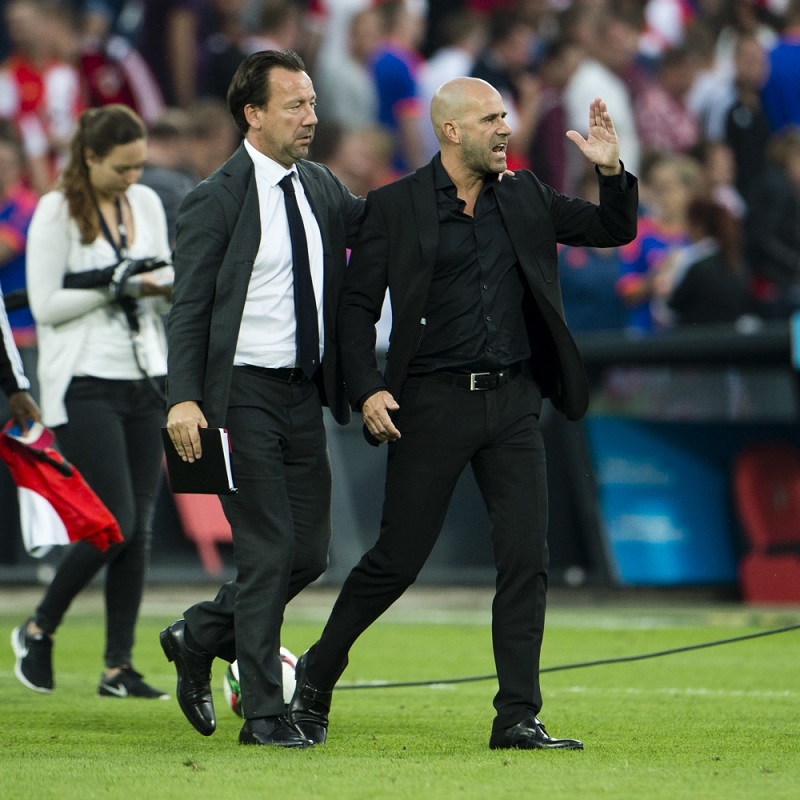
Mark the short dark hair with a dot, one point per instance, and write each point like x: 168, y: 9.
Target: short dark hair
x: 250, y: 83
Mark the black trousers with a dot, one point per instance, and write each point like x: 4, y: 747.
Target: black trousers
x: 443, y: 429
x: 281, y: 527
x: 113, y: 437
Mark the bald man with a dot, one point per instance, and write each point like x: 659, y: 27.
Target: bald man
x: 478, y: 339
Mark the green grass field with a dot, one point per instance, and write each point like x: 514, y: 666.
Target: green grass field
x: 713, y: 723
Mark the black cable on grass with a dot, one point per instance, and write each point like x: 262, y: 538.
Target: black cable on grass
x: 597, y: 663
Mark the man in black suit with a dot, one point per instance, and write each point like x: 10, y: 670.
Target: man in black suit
x: 478, y: 339
x: 241, y: 357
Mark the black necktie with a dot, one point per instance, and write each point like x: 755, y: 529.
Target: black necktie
x: 305, y: 303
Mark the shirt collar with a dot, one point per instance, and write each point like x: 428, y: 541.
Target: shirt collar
x: 271, y: 171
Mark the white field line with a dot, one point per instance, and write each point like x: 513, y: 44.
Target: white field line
x: 684, y: 691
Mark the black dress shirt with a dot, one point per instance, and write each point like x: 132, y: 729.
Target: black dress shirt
x: 474, y: 318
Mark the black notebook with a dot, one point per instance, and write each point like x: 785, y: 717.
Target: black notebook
x: 209, y: 474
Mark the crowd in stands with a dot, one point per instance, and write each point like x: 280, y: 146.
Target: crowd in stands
x: 704, y: 95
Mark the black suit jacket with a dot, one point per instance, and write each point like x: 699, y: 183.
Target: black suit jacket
x: 218, y: 236
x: 397, y: 250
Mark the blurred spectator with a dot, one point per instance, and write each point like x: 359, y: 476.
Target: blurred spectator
x: 542, y: 17
x: 507, y: 64
x: 395, y: 65
x: 39, y: 91
x: 438, y: 14
x: 549, y: 148
x: 772, y: 228
x: 665, y: 22
x: 703, y: 281
x: 224, y: 47
x: 781, y: 94
x: 663, y: 118
x: 701, y: 39
x: 17, y: 204
x: 719, y: 176
x: 167, y: 169
x: 346, y: 89
x: 461, y: 37
x: 735, y: 115
x: 329, y: 28
x: 508, y: 51
x: 361, y: 158
x: 277, y: 27
x: 113, y: 71
x: 671, y: 183
x: 742, y: 18
x: 212, y: 137
x: 171, y: 40
x: 611, y: 43
x: 589, y: 277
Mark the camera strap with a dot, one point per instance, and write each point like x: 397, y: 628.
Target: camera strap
x: 129, y: 305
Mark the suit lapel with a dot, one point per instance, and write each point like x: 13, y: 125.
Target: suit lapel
x: 426, y: 214
x: 240, y: 183
x: 515, y: 224
x: 315, y: 194
x: 317, y: 199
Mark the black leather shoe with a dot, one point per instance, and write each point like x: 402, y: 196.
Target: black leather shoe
x: 275, y: 731
x: 309, y: 708
x: 194, y: 678
x: 530, y: 735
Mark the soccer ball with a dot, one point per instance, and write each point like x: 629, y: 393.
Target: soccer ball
x: 233, y: 692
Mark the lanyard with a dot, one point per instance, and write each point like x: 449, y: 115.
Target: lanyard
x: 128, y: 304
x: 122, y: 249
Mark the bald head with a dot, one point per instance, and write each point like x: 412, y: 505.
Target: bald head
x: 469, y: 118
x: 453, y: 101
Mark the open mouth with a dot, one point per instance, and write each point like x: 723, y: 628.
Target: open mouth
x: 500, y: 148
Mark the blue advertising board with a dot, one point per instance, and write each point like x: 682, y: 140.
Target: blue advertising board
x: 665, y: 503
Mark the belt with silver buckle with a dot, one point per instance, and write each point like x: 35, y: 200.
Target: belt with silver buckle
x: 478, y: 381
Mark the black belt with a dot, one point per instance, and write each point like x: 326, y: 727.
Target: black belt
x: 478, y: 381
x: 285, y: 374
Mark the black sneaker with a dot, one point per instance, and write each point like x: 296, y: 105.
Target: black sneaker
x: 128, y: 683
x: 34, y: 665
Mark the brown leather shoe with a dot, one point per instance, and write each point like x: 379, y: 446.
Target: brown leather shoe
x: 530, y: 735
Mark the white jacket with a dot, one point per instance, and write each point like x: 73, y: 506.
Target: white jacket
x: 80, y: 329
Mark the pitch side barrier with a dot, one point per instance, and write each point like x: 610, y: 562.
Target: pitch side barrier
x: 640, y: 491
x: 669, y: 416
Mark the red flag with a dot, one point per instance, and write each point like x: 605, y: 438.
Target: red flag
x: 56, y: 504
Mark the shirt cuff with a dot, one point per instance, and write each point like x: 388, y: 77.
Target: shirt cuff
x: 621, y: 182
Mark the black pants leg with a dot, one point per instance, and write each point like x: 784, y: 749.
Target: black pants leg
x: 281, y: 529
x: 113, y: 438
x: 443, y: 429
x: 511, y: 474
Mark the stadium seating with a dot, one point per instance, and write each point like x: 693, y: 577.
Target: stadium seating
x: 767, y: 495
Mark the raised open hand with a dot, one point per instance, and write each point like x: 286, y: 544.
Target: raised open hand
x: 601, y: 146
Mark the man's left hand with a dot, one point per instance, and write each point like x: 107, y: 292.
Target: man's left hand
x: 602, y: 146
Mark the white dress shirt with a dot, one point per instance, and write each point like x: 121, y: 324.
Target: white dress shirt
x: 267, y: 331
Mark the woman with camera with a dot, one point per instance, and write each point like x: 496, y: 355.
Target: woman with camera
x: 102, y: 361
